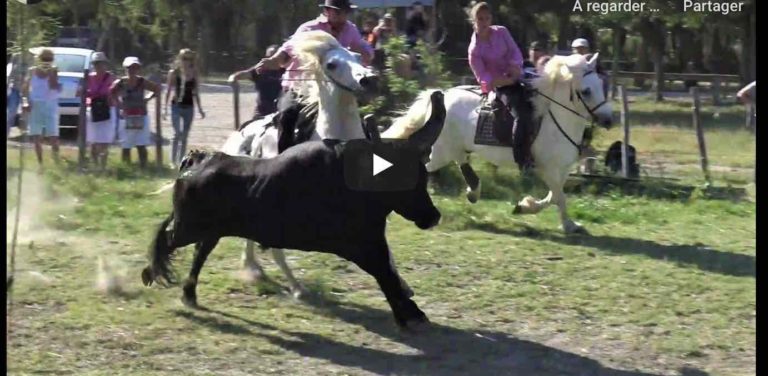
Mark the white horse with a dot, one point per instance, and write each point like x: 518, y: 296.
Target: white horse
x: 331, y: 76
x: 569, y: 94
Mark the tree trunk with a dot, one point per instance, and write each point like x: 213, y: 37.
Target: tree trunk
x: 563, y: 31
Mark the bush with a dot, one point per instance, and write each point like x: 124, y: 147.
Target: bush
x: 407, y: 72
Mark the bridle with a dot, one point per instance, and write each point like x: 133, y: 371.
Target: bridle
x: 579, y: 146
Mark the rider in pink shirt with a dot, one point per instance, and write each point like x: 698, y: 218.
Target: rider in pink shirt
x: 497, y: 64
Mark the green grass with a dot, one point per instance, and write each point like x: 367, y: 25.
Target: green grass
x: 663, y: 284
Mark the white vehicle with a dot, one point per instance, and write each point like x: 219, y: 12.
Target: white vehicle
x: 71, y: 62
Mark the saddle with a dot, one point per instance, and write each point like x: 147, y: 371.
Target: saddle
x: 492, y: 131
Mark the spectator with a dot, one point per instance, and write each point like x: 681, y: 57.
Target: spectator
x: 267, y: 85
x: 382, y: 32
x: 379, y: 38
x: 537, y: 57
x: 368, y: 26
x: 101, y: 117
x: 183, y: 81
x: 415, y: 24
x: 128, y: 91
x: 42, y: 91
x: 580, y: 46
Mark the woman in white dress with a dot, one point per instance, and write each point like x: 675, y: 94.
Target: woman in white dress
x: 101, y: 116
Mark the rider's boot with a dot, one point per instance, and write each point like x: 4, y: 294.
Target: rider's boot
x: 522, y: 138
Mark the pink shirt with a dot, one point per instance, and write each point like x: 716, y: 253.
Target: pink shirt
x: 349, y: 37
x: 99, y: 86
x: 495, y: 57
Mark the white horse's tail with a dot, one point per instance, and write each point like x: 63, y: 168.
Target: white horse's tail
x: 412, y: 119
x: 162, y: 189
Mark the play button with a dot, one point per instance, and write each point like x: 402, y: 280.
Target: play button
x: 389, y: 165
x: 380, y: 164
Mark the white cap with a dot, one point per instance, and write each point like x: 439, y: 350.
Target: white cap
x: 130, y: 60
x: 580, y: 42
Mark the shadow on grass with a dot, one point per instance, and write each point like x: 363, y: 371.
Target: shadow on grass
x: 442, y: 350
x: 655, y: 189
x: 686, y: 255
x: 505, y: 186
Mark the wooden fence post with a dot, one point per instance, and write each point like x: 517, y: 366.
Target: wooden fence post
x: 159, y: 133
x: 700, y: 133
x: 716, y: 91
x: 81, y: 128
x: 625, y: 125
x: 750, y: 117
x: 236, y: 100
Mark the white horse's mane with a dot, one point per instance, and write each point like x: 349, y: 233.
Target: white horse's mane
x: 559, y: 69
x: 309, y: 48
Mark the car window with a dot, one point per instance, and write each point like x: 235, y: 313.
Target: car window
x: 69, y: 63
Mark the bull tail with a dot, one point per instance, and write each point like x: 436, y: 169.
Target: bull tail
x: 160, y: 252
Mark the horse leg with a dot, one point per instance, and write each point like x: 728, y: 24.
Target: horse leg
x: 472, y: 180
x: 377, y: 263
x: 568, y: 225
x: 297, y: 290
x: 202, y: 250
x: 556, y: 182
x: 252, y: 271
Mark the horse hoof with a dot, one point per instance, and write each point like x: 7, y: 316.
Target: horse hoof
x: 518, y: 209
x: 252, y: 275
x: 146, y: 276
x: 472, y: 197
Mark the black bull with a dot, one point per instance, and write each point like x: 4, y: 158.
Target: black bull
x: 297, y: 200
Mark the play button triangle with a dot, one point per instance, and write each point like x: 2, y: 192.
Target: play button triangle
x: 380, y: 164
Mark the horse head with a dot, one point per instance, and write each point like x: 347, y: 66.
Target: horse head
x: 585, y: 93
x: 324, y: 60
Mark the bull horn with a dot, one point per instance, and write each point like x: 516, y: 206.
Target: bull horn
x: 425, y: 137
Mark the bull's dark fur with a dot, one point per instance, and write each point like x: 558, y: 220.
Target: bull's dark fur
x: 297, y: 200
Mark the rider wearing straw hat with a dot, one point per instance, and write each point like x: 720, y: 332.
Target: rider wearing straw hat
x: 333, y: 21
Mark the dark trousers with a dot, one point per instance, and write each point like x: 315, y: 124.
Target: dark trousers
x: 516, y: 99
x: 296, y: 121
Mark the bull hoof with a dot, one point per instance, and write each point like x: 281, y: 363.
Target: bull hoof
x: 419, y: 325
x: 147, y: 277
x: 190, y: 302
x: 408, y: 292
x: 472, y: 197
x: 299, y: 293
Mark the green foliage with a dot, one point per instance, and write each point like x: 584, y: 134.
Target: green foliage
x: 401, y: 83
